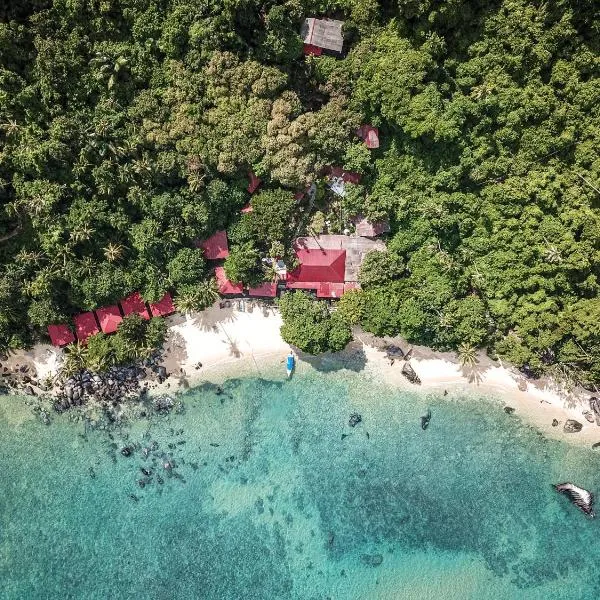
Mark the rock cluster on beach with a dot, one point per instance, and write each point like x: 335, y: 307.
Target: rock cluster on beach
x: 115, y: 385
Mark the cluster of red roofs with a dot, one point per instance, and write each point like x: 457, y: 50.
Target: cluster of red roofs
x: 108, y: 318
x: 320, y: 270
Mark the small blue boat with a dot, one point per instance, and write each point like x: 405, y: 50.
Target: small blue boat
x: 291, y: 363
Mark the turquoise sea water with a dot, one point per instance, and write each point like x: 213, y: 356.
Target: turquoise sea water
x: 270, y: 502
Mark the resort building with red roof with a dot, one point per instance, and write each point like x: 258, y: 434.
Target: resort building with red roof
x: 226, y: 287
x: 134, y: 304
x: 215, y: 247
x: 109, y: 318
x: 60, y: 335
x: 369, y: 135
x: 85, y: 326
x: 163, y: 307
x: 253, y: 182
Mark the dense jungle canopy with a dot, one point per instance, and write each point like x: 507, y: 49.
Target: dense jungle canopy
x: 127, y: 128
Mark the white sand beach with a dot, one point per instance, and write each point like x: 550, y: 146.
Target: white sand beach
x: 244, y: 339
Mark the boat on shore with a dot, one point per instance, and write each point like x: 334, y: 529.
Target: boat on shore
x: 290, y: 364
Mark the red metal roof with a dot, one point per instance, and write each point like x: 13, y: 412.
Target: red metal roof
x: 225, y: 286
x: 134, y: 304
x: 319, y: 265
x: 265, y: 290
x: 109, y: 318
x: 369, y: 135
x: 330, y: 290
x: 310, y: 49
x: 247, y: 209
x: 215, y: 247
x: 347, y: 176
x: 60, y: 335
x: 253, y: 182
x: 163, y: 307
x: 85, y: 326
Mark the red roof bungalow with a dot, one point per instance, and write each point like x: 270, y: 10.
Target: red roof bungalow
x: 266, y: 289
x: 369, y: 135
x: 85, y: 326
x: 163, y: 307
x: 316, y: 267
x: 225, y: 286
x: 345, y: 176
x: 247, y: 209
x: 215, y: 247
x: 134, y: 304
x: 253, y: 182
x: 60, y: 335
x: 109, y: 318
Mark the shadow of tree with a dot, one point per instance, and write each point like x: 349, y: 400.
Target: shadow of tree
x: 353, y: 358
x: 473, y: 373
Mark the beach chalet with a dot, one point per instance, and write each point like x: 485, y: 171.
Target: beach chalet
x: 163, y: 307
x: 134, y: 304
x: 85, y: 326
x: 226, y: 287
x: 365, y: 228
x: 321, y: 270
x: 267, y: 289
x: 338, y: 178
x: 215, y: 247
x: 109, y: 318
x: 322, y: 35
x: 253, y: 182
x: 60, y: 335
x: 329, y: 264
x: 369, y: 135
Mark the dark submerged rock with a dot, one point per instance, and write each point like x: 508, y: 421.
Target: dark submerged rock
x: 425, y: 420
x: 509, y: 410
x: 355, y: 419
x: 372, y: 560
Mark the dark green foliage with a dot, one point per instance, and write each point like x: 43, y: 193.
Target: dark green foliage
x: 127, y: 130
x: 244, y: 265
x: 135, y: 338
x: 309, y: 325
x: 379, y: 268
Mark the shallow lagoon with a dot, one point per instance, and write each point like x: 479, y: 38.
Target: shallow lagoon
x: 271, y: 502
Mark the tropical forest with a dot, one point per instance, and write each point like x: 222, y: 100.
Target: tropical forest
x: 128, y: 129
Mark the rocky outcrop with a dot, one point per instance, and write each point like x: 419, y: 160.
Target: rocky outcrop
x: 572, y: 426
x: 354, y: 420
x: 578, y: 496
x: 410, y: 374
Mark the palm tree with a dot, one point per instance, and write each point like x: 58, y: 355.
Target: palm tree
x: 75, y: 359
x: 113, y: 252
x: 186, y: 302
x: 207, y: 293
x: 82, y: 233
x: 467, y: 355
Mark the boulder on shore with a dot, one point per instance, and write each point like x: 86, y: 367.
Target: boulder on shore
x: 410, y: 374
x: 572, y: 426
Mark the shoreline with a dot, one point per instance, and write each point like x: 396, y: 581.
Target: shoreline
x: 244, y: 340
